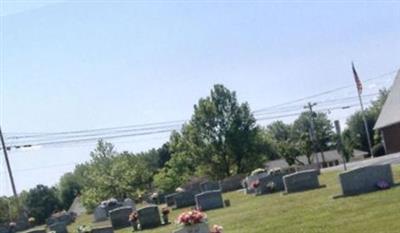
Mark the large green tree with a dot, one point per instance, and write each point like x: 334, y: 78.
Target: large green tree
x: 69, y: 187
x: 221, y: 138
x: 41, y: 201
x: 355, y: 134
x: 301, y: 131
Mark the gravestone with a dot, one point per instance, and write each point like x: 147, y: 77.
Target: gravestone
x: 170, y: 199
x: 209, y: 186
x: 272, y: 183
x: 232, y: 183
x: 184, y: 199
x: 102, y: 229
x: 62, y: 216
x: 58, y: 227
x: 149, y: 217
x: 196, y: 228
x: 129, y: 202
x: 111, y: 204
x: 161, y: 198
x: 100, y: 214
x: 209, y: 200
x: 35, y: 230
x: 301, y: 181
x: 365, y: 179
x: 251, y: 179
x: 120, y: 217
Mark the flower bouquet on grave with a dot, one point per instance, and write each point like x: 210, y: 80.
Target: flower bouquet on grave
x: 255, y: 184
x: 165, y: 211
x: 133, y: 219
x: 382, y: 184
x: 217, y: 229
x: 31, y: 221
x: 193, y: 221
x: 271, y: 187
x: 84, y: 229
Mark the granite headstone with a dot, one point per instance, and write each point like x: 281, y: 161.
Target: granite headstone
x: 209, y: 200
x: 149, y: 217
x: 301, y: 181
x: 120, y: 217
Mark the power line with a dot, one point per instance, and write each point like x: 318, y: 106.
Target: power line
x: 78, y: 136
x: 325, y: 92
x: 332, y: 101
x: 136, y: 127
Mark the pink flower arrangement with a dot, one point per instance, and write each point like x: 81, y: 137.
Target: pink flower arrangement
x: 217, y: 229
x: 191, y: 217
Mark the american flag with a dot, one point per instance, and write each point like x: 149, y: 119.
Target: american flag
x: 357, y: 79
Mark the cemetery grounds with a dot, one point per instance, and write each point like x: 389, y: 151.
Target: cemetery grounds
x: 312, y: 211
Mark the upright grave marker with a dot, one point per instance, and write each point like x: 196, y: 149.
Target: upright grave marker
x: 209, y: 200
x: 210, y: 186
x: 170, y: 199
x: 100, y: 214
x: 365, y: 179
x: 149, y: 217
x: 58, y: 227
x: 120, y: 217
x: 184, y: 199
x: 301, y: 181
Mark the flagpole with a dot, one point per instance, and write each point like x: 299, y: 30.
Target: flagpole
x: 359, y: 92
x: 366, y: 125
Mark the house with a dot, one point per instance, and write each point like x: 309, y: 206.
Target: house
x: 331, y: 157
x: 388, y: 122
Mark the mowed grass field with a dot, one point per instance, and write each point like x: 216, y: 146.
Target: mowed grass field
x: 309, y: 212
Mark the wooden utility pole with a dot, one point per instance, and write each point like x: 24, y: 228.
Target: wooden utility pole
x: 3, y: 144
x: 312, y: 132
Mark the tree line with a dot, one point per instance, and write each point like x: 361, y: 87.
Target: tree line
x: 221, y: 139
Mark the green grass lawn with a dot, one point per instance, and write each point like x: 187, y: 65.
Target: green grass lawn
x: 308, y: 212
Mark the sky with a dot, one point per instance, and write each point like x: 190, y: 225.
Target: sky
x: 76, y: 65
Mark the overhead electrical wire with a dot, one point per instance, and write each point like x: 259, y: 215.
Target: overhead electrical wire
x: 19, y: 140
x: 325, y: 92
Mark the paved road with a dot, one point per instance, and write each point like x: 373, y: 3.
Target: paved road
x: 391, y: 159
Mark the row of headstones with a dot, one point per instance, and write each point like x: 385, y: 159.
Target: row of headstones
x: 101, y: 212
x: 210, y: 190
x: 148, y: 217
x: 63, y: 229
x: 353, y: 182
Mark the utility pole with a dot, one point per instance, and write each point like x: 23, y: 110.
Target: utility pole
x: 339, y: 143
x: 312, y: 131
x: 3, y: 144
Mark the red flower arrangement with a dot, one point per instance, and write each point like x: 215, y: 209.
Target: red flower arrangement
x: 255, y: 184
x: 133, y: 217
x: 191, y: 217
x: 165, y: 211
